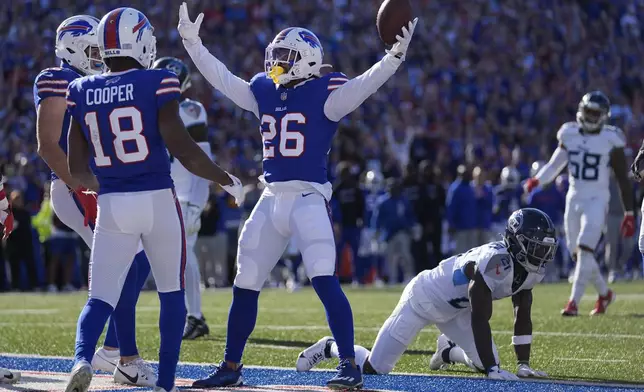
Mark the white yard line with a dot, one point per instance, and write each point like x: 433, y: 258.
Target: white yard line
x: 28, y: 311
x: 602, y: 360
x: 431, y: 329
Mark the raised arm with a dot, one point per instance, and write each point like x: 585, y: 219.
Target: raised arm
x: 557, y: 162
x: 215, y: 72
x: 346, y: 98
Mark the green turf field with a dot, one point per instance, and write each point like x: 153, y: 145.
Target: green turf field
x: 607, y: 348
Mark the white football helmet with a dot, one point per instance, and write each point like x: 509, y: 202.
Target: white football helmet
x: 294, y: 54
x: 510, y: 177
x: 77, y: 44
x: 126, y: 32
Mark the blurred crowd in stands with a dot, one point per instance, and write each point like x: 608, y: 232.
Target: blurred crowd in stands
x: 428, y: 166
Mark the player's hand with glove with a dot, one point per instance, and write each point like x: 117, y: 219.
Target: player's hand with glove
x: 189, y: 30
x: 399, y: 49
x: 236, y: 190
x: 530, y: 184
x: 524, y: 370
x: 627, y: 227
x: 496, y: 373
x: 87, y: 199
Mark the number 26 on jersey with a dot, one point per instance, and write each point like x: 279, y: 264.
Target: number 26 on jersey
x: 291, y: 142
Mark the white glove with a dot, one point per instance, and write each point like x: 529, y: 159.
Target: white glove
x: 524, y: 370
x: 188, y: 30
x: 496, y: 373
x: 399, y: 49
x: 192, y: 218
x: 236, y: 190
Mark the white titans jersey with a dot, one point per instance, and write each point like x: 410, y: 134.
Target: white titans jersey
x: 589, y: 158
x: 190, y: 188
x: 448, y: 285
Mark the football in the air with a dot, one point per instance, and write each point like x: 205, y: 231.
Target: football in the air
x: 393, y: 15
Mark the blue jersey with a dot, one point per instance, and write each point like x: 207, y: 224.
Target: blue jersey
x: 296, y: 133
x: 371, y: 200
x: 53, y: 82
x: 118, y: 114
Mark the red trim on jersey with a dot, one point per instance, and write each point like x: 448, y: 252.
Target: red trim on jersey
x: 182, y: 270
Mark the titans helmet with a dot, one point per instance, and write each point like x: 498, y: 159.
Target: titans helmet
x: 531, y: 239
x: 178, y: 67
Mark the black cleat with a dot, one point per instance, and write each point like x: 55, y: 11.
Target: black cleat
x: 195, y: 328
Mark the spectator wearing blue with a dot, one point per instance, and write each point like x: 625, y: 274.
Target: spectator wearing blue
x: 484, y: 194
x: 461, y: 211
x: 351, y: 202
x: 394, y: 216
x: 551, y: 200
x: 507, y: 197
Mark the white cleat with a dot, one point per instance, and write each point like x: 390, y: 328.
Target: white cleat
x: 8, y: 377
x: 80, y: 378
x: 137, y: 372
x: 312, y: 356
x: 106, y: 360
x: 437, y: 362
x: 159, y: 389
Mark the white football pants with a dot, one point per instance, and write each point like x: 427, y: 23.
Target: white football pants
x: 415, y: 311
x: 192, y: 223
x: 584, y: 221
x: 124, y: 220
x: 276, y: 218
x: 71, y: 214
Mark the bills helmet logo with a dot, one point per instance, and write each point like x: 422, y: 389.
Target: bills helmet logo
x: 76, y: 29
x: 310, y: 39
x: 140, y: 27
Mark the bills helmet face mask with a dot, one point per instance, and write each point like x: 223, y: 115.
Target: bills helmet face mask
x: 593, y: 111
x: 126, y: 32
x: 294, y: 54
x: 178, y: 67
x: 77, y: 44
x: 531, y: 239
x: 510, y: 177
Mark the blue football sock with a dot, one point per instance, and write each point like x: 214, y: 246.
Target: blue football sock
x: 111, y: 340
x: 241, y: 322
x: 338, y: 313
x: 123, y: 318
x: 143, y: 265
x: 171, y: 321
x: 89, y: 328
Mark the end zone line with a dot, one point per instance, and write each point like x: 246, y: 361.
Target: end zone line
x: 546, y: 381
